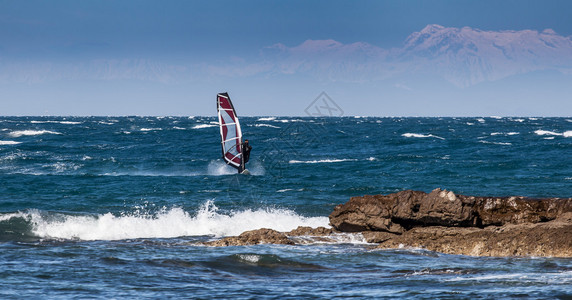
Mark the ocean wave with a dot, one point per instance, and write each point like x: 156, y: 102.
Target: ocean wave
x: 19, y: 133
x: 200, y: 126
x: 267, y: 119
x: 320, y: 161
x: 151, y: 129
x: 57, y: 122
x: 495, y: 143
x: 547, y: 132
x: 292, y: 120
x: 505, y: 133
x: 167, y: 223
x: 419, y: 135
x: 9, y: 143
x: 266, y: 125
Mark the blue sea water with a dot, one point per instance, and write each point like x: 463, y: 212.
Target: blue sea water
x: 113, y: 207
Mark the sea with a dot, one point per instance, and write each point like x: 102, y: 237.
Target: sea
x: 118, y: 207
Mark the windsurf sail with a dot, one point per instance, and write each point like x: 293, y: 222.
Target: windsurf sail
x: 230, y: 133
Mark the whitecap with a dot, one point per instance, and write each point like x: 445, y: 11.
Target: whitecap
x: 168, y: 223
x: 267, y: 119
x: 266, y: 125
x: 9, y: 143
x: 547, y: 132
x: 200, y: 126
x: 319, y: 161
x: 418, y: 135
x: 150, y: 129
x: 56, y: 122
x: 19, y: 133
x: 505, y: 133
x: 495, y: 143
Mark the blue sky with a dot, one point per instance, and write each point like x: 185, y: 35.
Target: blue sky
x: 169, y: 57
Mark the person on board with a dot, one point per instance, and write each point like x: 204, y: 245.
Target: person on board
x: 246, y: 150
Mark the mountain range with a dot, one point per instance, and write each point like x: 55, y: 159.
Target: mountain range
x: 462, y: 56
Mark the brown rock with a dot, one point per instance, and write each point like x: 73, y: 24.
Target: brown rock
x: 367, y: 213
x: 253, y: 237
x: 306, y: 230
x: 404, y: 210
x: 552, y: 239
x: 518, y: 210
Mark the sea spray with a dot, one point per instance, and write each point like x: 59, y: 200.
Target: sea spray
x: 167, y: 223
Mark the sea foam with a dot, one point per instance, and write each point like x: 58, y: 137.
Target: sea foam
x: 168, y: 223
x: 19, y: 133
x: 319, y: 161
x: 200, y: 126
x: 546, y: 132
x: 418, y: 135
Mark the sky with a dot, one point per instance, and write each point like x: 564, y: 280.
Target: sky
x: 172, y: 57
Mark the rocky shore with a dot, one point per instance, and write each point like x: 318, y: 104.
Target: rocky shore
x: 441, y: 221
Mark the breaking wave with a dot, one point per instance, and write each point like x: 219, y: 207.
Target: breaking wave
x: 266, y: 125
x: 419, y: 135
x: 200, y: 126
x: 547, y: 132
x: 319, y: 161
x: 167, y: 223
x: 19, y: 133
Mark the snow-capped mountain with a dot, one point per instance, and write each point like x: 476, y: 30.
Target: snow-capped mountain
x: 463, y: 56
x: 466, y: 56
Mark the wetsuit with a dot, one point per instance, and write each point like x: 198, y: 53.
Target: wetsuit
x: 246, y: 150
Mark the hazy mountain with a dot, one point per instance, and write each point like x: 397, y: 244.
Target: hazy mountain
x: 467, y: 56
x: 459, y: 56
x: 462, y: 56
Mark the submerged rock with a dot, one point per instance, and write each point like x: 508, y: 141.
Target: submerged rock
x: 309, y: 231
x: 253, y: 237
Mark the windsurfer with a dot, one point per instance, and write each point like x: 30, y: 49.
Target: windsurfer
x: 246, y: 150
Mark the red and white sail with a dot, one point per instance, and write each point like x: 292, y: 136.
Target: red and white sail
x: 231, y: 135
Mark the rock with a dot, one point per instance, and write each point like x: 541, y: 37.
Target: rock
x: 253, y: 237
x: 440, y: 221
x: 367, y: 213
x: 402, y: 211
x: 377, y: 237
x: 518, y: 210
x: 305, y: 230
x: 552, y: 239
